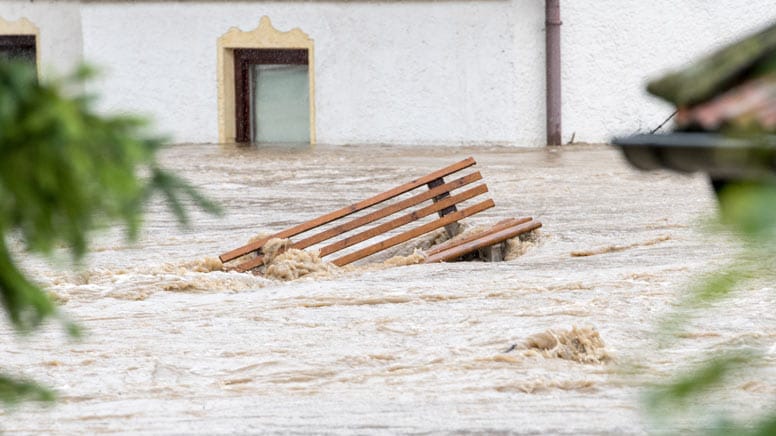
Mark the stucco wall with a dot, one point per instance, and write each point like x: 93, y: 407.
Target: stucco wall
x: 405, y: 72
x: 612, y: 47
x: 398, y: 72
x: 59, y: 26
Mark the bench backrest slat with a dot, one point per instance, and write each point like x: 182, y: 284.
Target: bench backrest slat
x: 387, y: 226
x: 387, y: 211
x: 403, y: 220
x: 353, y: 208
x: 413, y: 233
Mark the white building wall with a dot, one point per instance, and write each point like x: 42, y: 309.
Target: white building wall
x: 610, y: 48
x: 394, y: 72
x: 414, y: 72
x: 60, y: 41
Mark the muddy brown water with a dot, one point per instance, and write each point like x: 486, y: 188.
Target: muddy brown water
x: 174, y: 347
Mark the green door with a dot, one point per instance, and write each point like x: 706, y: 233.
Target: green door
x: 281, y: 103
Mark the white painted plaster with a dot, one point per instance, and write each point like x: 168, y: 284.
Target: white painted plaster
x: 610, y: 48
x: 410, y: 72
x: 399, y: 72
x: 60, y: 41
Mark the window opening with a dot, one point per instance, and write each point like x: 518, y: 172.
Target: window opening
x: 18, y: 47
x: 257, y: 67
x: 272, y: 95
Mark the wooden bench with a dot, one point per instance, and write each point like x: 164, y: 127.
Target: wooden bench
x: 443, y: 202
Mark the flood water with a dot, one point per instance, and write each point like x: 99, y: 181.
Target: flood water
x: 173, y: 347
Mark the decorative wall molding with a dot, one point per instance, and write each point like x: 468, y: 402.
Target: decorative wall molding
x: 22, y: 26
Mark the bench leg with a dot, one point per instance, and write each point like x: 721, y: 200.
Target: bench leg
x: 452, y: 228
x: 494, y: 253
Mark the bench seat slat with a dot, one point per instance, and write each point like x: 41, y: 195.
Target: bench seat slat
x: 353, y: 208
x: 509, y: 222
x: 484, y: 241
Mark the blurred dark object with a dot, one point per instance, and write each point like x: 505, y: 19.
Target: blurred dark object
x: 750, y: 106
x: 725, y: 122
x: 17, y: 47
x: 739, y: 62
x: 726, y: 159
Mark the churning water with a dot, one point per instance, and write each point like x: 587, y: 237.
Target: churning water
x: 535, y: 344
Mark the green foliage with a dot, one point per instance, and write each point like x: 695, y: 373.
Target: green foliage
x: 66, y: 171
x: 748, y: 212
x: 12, y: 391
x: 695, y: 382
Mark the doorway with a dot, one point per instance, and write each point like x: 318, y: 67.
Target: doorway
x: 18, y: 47
x: 272, y: 95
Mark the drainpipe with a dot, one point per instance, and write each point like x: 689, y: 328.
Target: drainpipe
x: 552, y: 22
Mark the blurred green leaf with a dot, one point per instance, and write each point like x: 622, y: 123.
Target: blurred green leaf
x: 747, y: 212
x: 25, y: 303
x: 13, y: 391
x: 696, y: 381
x: 766, y: 427
x: 750, y: 210
x: 67, y: 171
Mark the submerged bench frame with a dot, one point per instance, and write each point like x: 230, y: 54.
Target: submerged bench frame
x: 443, y: 202
x: 489, y: 244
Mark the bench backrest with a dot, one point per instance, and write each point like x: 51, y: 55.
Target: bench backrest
x: 443, y: 202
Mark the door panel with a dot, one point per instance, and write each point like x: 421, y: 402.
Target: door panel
x: 281, y: 103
